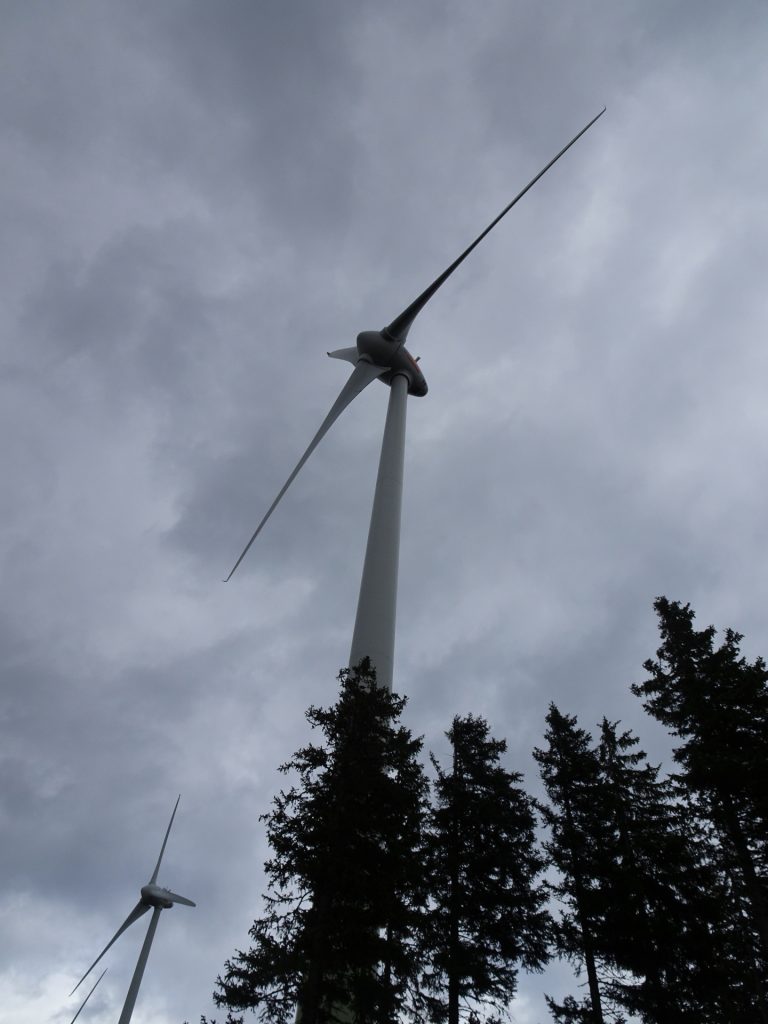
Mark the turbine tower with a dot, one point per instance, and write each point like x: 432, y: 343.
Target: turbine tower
x: 155, y: 898
x: 382, y: 355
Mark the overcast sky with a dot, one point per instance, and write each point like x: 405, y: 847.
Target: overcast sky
x: 199, y: 199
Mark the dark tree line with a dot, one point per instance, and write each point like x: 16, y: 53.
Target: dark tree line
x: 662, y: 882
x: 393, y: 899
x: 384, y: 904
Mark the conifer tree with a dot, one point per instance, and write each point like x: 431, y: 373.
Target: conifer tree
x: 487, y: 917
x: 580, y: 850
x: 345, y: 878
x: 664, y: 904
x: 645, y: 909
x: 716, y: 703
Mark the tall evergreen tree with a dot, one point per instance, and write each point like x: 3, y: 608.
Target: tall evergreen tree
x: 580, y: 849
x: 487, y: 916
x: 345, y: 878
x: 716, y: 702
x: 664, y: 905
x: 645, y: 911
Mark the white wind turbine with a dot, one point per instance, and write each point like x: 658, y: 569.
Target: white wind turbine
x: 383, y: 355
x: 155, y: 898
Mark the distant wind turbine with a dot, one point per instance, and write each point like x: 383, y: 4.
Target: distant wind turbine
x: 155, y: 898
x: 383, y: 355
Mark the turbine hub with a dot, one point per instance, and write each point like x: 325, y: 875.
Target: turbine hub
x: 155, y: 896
x: 378, y: 349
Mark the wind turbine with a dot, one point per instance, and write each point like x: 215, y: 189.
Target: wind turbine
x: 155, y: 898
x: 382, y: 355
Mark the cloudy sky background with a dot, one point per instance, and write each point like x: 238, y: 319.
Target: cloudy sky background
x: 198, y: 200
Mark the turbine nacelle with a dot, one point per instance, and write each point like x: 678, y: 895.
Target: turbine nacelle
x: 156, y: 896
x: 390, y: 357
x: 381, y: 350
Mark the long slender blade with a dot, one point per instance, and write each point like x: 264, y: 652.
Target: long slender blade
x: 138, y: 973
x: 162, y: 848
x: 175, y: 898
x: 135, y: 914
x: 400, y: 326
x: 362, y: 375
x: 82, y: 1005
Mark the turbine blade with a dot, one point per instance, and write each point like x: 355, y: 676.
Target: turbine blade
x: 175, y: 898
x: 162, y: 848
x: 138, y: 973
x: 135, y: 914
x: 362, y: 375
x: 400, y: 326
x: 88, y: 996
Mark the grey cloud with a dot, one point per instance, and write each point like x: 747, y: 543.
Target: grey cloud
x: 201, y: 200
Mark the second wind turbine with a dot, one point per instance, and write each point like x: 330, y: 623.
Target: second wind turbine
x: 382, y: 355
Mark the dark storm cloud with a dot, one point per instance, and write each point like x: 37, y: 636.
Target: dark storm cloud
x: 251, y: 64
x: 199, y: 200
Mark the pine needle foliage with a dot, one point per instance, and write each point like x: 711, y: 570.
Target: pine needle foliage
x: 577, y: 848
x: 487, y: 916
x: 715, y: 702
x: 346, y: 881
x: 644, y: 911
